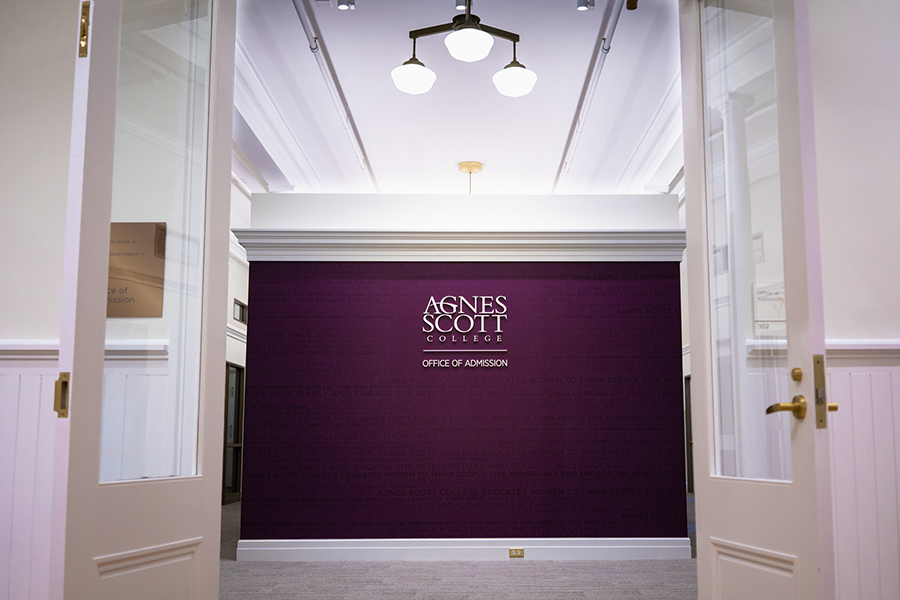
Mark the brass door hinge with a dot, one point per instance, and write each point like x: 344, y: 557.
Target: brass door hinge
x: 61, y: 396
x: 84, y: 29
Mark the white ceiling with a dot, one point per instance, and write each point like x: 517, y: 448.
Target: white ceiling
x: 293, y: 138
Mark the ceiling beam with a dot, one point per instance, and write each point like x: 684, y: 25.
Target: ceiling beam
x: 326, y: 67
x: 601, y: 50
x: 258, y: 108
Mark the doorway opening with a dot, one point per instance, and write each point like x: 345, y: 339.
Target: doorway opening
x: 234, y: 435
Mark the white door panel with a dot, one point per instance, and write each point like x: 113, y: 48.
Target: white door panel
x: 137, y: 467
x: 763, y: 487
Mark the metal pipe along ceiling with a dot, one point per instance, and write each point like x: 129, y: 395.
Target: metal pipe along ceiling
x: 317, y: 47
x: 601, y: 49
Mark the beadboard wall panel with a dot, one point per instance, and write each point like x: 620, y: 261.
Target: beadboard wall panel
x: 865, y: 439
x: 27, y: 434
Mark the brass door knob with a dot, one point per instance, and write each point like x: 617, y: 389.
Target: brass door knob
x: 798, y: 407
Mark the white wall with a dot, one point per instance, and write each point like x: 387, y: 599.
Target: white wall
x: 463, y: 213
x: 37, y: 60
x: 38, y: 42
x: 856, y: 86
x: 238, y: 280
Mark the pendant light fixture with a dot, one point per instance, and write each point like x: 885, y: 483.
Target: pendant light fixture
x: 468, y: 41
x: 413, y: 77
x: 514, y: 79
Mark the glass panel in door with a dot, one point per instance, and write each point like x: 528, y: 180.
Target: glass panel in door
x: 749, y: 344
x: 152, y: 366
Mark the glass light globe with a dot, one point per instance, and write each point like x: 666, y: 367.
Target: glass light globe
x: 514, y: 80
x: 413, y: 77
x: 469, y: 44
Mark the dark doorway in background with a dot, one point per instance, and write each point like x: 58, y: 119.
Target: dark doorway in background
x: 688, y: 436
x: 234, y: 435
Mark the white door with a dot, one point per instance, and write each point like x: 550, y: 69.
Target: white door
x: 763, y: 491
x: 138, y: 466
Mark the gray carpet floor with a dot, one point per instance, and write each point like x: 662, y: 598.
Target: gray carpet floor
x: 456, y: 580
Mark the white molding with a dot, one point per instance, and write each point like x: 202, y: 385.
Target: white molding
x: 122, y: 562
x: 436, y: 246
x: 862, y: 352
x: 657, y: 141
x: 236, y: 251
x: 235, y: 333
x: 474, y: 549
x: 241, y: 186
x: 835, y: 349
x: 256, y: 104
x: 142, y: 350
x: 28, y: 350
x: 779, y: 562
x: 48, y: 350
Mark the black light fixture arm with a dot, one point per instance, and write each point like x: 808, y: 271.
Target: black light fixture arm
x: 500, y: 33
x: 426, y: 31
x: 461, y: 22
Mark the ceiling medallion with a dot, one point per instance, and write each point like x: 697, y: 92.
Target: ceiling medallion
x: 469, y: 41
x: 470, y: 166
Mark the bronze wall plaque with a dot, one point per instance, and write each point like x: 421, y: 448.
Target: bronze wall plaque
x: 137, y: 265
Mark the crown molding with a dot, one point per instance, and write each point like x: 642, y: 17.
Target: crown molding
x: 256, y: 104
x: 502, y: 246
x: 236, y: 251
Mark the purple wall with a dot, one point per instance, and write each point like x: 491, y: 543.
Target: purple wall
x: 348, y: 435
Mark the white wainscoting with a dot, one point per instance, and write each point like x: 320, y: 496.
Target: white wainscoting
x: 865, y: 450
x: 27, y: 435
x: 864, y: 379
x: 138, y: 434
x: 464, y: 549
x: 28, y: 372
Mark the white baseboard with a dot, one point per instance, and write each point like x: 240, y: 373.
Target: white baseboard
x: 477, y: 549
